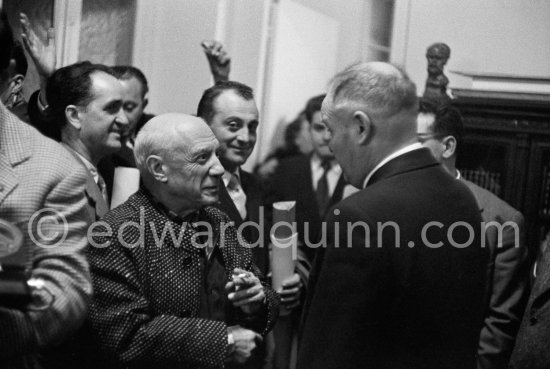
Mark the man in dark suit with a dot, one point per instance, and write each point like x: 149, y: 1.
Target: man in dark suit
x: 230, y: 110
x: 314, y: 181
x: 440, y: 129
x: 401, y: 283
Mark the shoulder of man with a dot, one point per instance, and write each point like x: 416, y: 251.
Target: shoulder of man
x: 491, y: 203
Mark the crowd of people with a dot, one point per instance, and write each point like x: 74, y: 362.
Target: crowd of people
x: 401, y: 262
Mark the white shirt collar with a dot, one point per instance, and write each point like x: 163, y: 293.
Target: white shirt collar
x: 317, y: 163
x: 406, y: 149
x: 458, y: 175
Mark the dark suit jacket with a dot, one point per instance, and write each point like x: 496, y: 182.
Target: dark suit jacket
x: 378, y: 302
x: 293, y: 182
x: 531, y: 349
x: 255, y: 201
x: 509, y: 280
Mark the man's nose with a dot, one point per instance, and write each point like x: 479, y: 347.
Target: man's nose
x: 121, y: 118
x: 326, y: 135
x: 243, y: 135
x: 217, y: 168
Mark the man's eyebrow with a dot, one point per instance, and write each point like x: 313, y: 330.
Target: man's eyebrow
x: 113, y: 103
x: 233, y: 118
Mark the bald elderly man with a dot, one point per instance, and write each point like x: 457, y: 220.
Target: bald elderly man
x: 401, y: 283
x: 174, y: 285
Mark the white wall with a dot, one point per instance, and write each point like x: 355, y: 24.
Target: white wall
x: 310, y: 41
x: 167, y: 48
x: 493, y: 36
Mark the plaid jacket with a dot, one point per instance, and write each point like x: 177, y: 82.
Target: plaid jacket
x: 38, y: 174
x: 147, y: 291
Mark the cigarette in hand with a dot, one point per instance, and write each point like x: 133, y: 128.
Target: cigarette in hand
x: 239, y: 279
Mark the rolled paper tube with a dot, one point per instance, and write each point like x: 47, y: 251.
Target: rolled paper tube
x: 283, y: 259
x: 283, y: 218
x: 125, y: 183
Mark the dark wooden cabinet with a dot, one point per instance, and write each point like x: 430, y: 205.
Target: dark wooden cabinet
x: 506, y: 149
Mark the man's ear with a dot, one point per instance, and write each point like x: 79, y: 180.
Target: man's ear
x: 156, y: 168
x: 145, y: 101
x: 72, y: 114
x: 363, y: 125
x: 450, y: 146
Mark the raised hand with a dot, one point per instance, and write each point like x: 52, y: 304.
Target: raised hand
x: 218, y: 59
x: 42, y: 54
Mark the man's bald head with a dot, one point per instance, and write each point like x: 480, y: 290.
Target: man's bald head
x: 370, y: 110
x: 177, y: 158
x: 166, y: 134
x: 381, y: 88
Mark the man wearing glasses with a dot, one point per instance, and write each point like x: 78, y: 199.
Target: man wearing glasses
x: 440, y: 130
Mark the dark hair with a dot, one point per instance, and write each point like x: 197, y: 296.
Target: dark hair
x: 6, y: 41
x: 313, y: 105
x: 292, y: 132
x: 447, y: 119
x: 446, y: 50
x: 126, y: 72
x: 71, y: 85
x: 205, y: 110
x: 18, y: 55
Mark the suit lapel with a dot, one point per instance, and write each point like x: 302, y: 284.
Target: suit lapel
x: 9, y: 179
x: 95, y: 198
x: 338, y: 191
x: 13, y: 143
x: 307, y: 195
x: 227, y: 205
x: 253, y: 196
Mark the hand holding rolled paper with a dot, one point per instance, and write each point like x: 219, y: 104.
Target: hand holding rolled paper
x: 284, y: 240
x: 291, y: 291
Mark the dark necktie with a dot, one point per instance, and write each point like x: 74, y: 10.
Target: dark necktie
x: 322, y: 190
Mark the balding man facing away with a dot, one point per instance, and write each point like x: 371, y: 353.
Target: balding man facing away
x: 174, y: 285
x: 401, y: 283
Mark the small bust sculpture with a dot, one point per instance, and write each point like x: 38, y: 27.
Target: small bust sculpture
x: 436, y: 84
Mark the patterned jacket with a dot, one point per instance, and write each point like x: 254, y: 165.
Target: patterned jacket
x: 38, y: 174
x: 145, y: 310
